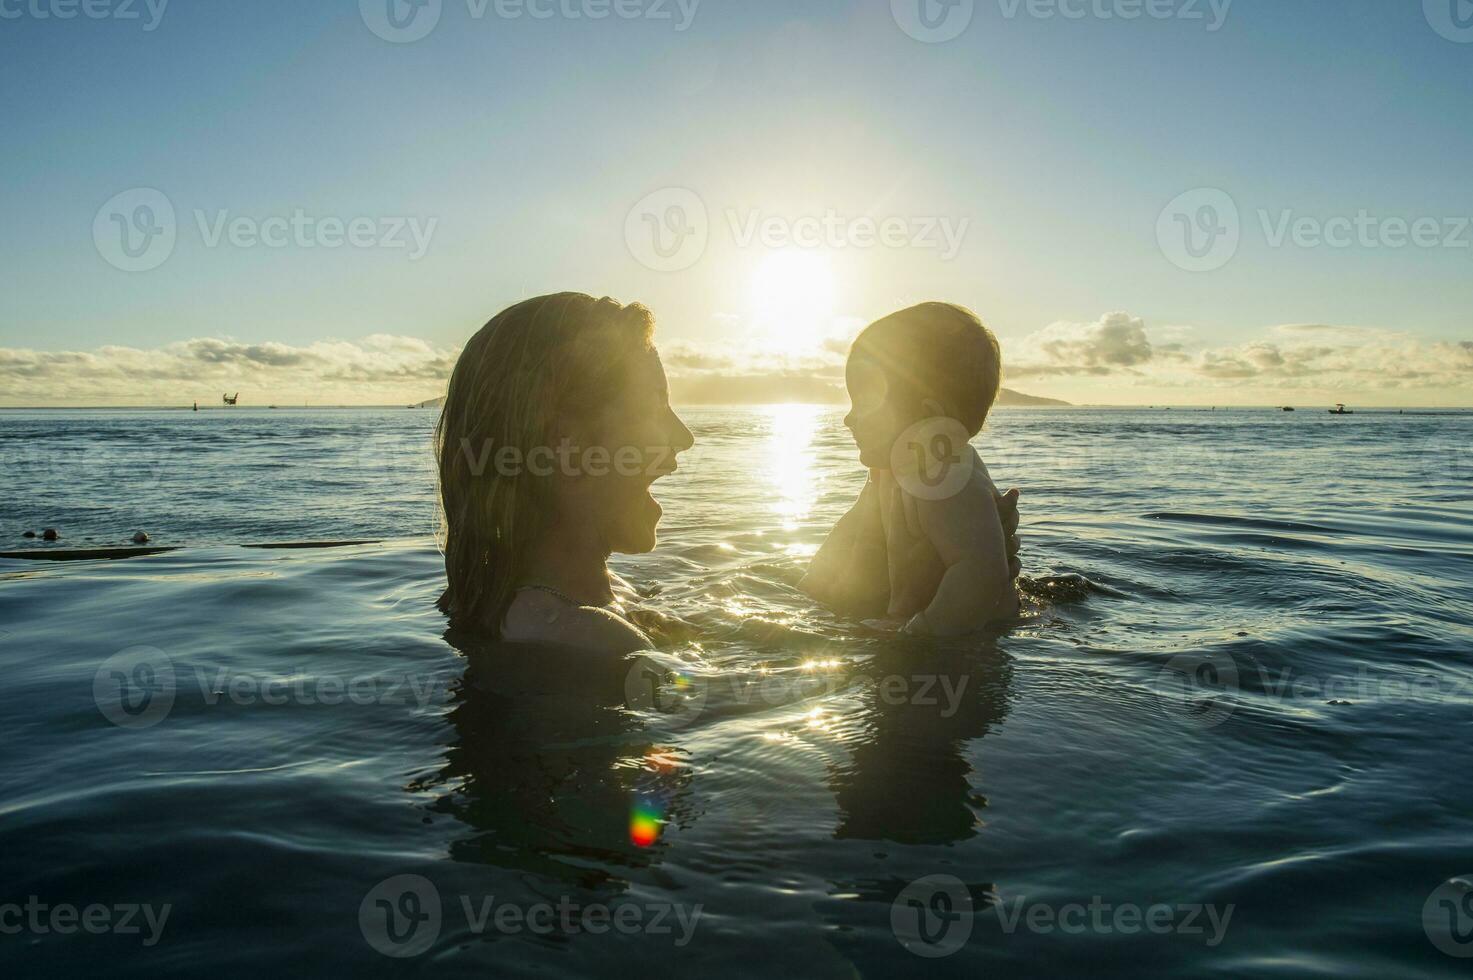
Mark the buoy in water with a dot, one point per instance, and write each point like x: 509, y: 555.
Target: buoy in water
x: 29, y: 534
x: 140, y: 537
x: 50, y: 534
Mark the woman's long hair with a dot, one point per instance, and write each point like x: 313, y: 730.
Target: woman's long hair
x: 558, y: 356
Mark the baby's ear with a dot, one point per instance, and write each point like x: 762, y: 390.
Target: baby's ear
x: 933, y: 408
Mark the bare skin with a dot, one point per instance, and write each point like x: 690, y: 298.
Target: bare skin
x: 950, y: 572
x: 853, y: 569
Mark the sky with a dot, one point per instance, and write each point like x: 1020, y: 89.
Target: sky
x: 1149, y: 201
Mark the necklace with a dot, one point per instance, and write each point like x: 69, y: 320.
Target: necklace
x: 553, y: 592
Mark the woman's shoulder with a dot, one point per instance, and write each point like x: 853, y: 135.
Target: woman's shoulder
x: 540, y: 617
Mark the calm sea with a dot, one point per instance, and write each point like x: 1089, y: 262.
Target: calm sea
x: 1230, y: 737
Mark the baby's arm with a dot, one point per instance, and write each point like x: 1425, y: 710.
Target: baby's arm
x: 976, y: 587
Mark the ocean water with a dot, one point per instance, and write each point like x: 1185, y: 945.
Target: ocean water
x: 1229, y: 736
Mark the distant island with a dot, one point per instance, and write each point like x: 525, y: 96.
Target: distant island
x: 742, y: 391
x: 1008, y: 396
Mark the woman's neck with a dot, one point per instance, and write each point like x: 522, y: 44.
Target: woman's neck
x: 567, y: 558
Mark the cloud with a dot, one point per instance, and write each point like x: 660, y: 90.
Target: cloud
x: 382, y: 368
x: 1118, y: 349
x: 1307, y: 356
x: 1115, y: 342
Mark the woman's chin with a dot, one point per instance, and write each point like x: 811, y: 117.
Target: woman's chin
x: 638, y: 532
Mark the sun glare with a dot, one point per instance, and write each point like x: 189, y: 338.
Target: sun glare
x: 789, y: 461
x: 793, y: 298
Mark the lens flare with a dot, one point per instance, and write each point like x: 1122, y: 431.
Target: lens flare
x: 644, y: 824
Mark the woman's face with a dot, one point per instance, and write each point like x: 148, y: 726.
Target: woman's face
x: 642, y: 436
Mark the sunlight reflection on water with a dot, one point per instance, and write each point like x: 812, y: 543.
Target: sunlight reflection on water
x: 788, y: 460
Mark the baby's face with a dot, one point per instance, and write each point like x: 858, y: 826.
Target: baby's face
x: 873, y: 418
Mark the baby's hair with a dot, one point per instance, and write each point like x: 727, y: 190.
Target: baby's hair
x: 940, y: 351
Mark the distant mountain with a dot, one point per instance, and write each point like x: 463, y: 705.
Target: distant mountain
x: 1017, y: 399
x: 716, y: 390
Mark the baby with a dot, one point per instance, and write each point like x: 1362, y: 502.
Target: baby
x: 922, y: 382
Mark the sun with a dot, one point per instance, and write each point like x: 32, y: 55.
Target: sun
x: 793, y: 298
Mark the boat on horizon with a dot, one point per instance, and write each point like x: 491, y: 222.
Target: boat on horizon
x: 1340, y: 409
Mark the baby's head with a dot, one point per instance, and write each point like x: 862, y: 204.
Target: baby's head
x: 935, y: 359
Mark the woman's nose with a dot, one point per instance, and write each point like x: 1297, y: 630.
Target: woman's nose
x: 681, y: 438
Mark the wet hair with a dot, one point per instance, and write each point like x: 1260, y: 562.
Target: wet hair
x: 939, y: 351
x: 554, y: 357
